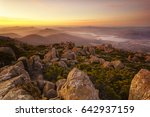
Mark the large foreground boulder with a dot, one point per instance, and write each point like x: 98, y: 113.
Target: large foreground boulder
x: 11, y: 77
x: 78, y: 87
x: 140, y: 86
x: 18, y: 94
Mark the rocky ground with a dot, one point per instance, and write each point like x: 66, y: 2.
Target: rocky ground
x: 64, y: 71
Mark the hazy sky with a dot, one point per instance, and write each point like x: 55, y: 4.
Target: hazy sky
x: 75, y: 12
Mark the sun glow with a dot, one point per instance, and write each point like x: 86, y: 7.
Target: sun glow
x: 74, y: 12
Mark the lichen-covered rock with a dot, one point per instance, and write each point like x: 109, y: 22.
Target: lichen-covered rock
x: 70, y: 55
x: 60, y: 83
x: 36, y: 66
x: 18, y: 94
x: 13, y: 71
x: 11, y: 77
x: 51, y: 55
x: 48, y: 85
x: 78, y: 87
x: 25, y: 62
x: 140, y: 86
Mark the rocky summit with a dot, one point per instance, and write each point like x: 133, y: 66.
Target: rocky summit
x: 64, y: 71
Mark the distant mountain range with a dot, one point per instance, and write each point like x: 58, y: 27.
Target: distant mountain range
x: 134, y: 38
x: 36, y: 39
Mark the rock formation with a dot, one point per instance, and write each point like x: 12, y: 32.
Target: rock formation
x: 11, y: 77
x: 140, y: 86
x: 52, y: 55
x: 36, y: 66
x: 78, y: 87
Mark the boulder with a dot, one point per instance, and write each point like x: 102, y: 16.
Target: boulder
x: 101, y: 61
x: 94, y: 59
x: 17, y: 94
x: 50, y: 94
x: 8, y: 50
x: 36, y: 66
x: 78, y: 87
x: 117, y: 64
x: 76, y: 50
x: 147, y: 58
x: 69, y: 45
x: 12, y: 76
x: 69, y: 55
x: 52, y: 54
x: 25, y: 62
x: 60, y: 83
x: 48, y: 85
x: 91, y: 50
x: 140, y: 86
x: 85, y: 51
x: 62, y: 64
x: 40, y: 84
x: 107, y: 64
x: 133, y: 58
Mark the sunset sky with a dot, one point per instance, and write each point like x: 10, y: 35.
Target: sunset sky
x: 75, y: 12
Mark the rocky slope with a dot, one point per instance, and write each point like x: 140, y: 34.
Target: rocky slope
x: 69, y: 72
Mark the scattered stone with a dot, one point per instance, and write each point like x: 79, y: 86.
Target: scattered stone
x: 107, y: 64
x: 93, y: 59
x: 69, y: 55
x: 117, y: 64
x: 147, y: 58
x: 91, y: 50
x: 62, y: 64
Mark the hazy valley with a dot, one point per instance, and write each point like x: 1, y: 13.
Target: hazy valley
x: 127, y: 38
x: 74, y: 63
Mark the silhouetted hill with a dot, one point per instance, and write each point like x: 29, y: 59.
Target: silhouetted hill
x: 11, y: 35
x: 63, y: 37
x: 33, y: 39
x: 47, y: 32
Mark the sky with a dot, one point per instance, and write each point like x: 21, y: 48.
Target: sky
x: 75, y: 12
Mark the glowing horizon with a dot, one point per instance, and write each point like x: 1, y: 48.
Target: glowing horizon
x: 74, y: 12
